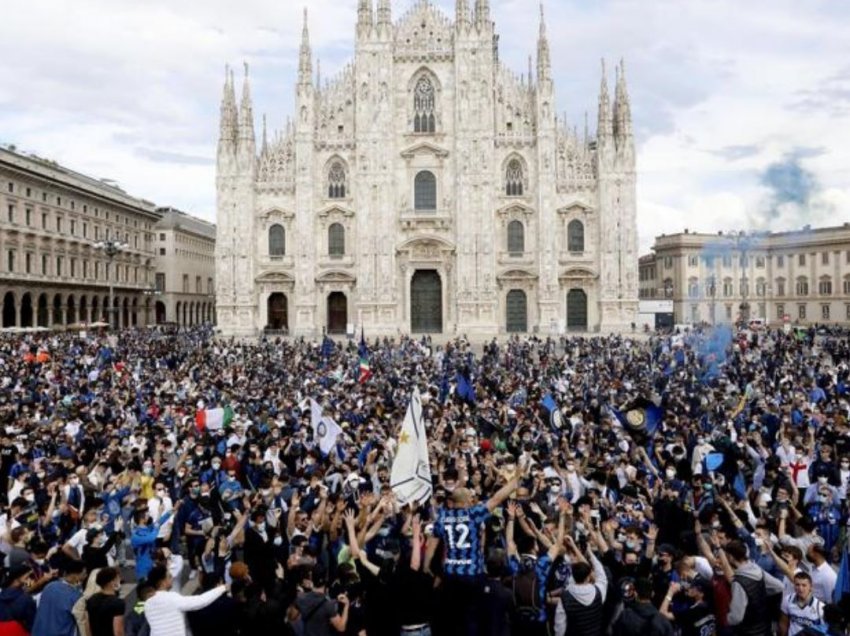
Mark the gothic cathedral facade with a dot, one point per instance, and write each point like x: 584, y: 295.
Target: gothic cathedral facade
x: 426, y: 189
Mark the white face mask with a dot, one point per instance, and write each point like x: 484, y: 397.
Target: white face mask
x: 261, y: 527
x: 671, y: 473
x: 823, y: 480
x: 278, y: 540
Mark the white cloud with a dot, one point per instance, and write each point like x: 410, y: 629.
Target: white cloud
x: 721, y: 90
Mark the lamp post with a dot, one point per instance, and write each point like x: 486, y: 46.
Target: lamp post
x: 743, y: 242
x: 712, y: 294
x: 111, y: 248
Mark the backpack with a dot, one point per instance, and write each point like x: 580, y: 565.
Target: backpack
x: 527, y: 592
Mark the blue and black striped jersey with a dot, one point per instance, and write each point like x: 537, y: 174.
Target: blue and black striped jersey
x: 460, y: 530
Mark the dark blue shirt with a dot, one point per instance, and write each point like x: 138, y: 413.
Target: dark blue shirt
x: 460, y: 530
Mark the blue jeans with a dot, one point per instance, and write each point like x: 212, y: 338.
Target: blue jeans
x: 422, y: 631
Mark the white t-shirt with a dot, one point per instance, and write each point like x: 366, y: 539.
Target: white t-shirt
x: 801, y: 617
x: 823, y: 581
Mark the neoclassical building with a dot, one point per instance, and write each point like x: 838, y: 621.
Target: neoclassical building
x: 427, y: 188
x: 51, y: 273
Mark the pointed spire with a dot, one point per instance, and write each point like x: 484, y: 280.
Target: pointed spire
x: 622, y: 105
x: 544, y: 62
x: 385, y: 15
x: 482, y: 13
x: 305, y: 61
x: 265, y: 146
x: 462, y: 13
x: 246, y: 112
x: 318, y: 73
x: 364, y: 16
x: 603, y: 127
x: 529, y: 68
x: 228, y: 108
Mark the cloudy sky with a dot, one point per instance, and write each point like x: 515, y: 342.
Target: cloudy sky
x: 742, y: 109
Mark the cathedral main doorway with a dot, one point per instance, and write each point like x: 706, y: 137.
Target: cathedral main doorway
x: 426, y: 302
x: 576, y: 310
x: 516, y: 320
x: 337, y: 312
x: 277, y: 312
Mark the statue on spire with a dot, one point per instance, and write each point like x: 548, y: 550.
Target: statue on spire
x: 462, y: 13
x: 482, y: 13
x: 385, y: 14
x: 228, y: 108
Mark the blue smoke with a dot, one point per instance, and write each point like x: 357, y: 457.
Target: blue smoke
x: 712, y: 351
x: 789, y: 181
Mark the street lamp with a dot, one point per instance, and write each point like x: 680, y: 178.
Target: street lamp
x: 712, y: 293
x: 111, y: 248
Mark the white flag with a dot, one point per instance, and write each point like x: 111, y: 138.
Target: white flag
x: 411, y: 474
x: 325, y: 429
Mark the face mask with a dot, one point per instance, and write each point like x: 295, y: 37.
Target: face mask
x: 181, y: 474
x: 823, y: 480
x: 265, y: 492
x: 716, y: 525
x: 205, y: 495
x: 554, y: 489
x: 278, y: 540
x: 670, y: 473
x: 823, y: 498
x: 195, y: 491
x: 216, y: 465
x: 74, y: 482
x: 147, y: 470
x: 30, y: 497
x: 310, y: 461
x: 41, y: 474
x: 631, y: 545
x: 845, y: 466
x: 571, y: 468
x: 261, y: 527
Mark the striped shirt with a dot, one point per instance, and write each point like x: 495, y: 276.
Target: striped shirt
x: 460, y: 530
x: 165, y: 611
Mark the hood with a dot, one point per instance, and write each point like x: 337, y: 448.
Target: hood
x: 751, y: 571
x: 309, y: 601
x: 644, y: 610
x: 584, y: 593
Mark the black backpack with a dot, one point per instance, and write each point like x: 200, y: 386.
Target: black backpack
x: 527, y: 592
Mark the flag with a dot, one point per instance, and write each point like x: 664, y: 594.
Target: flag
x: 444, y: 388
x: 327, y: 347
x: 713, y: 461
x: 548, y: 402
x: 410, y: 477
x: 842, y: 583
x: 519, y: 397
x: 465, y: 389
x: 213, y: 419
x: 740, y: 486
x: 365, y: 370
x: 325, y: 429
x: 640, y: 420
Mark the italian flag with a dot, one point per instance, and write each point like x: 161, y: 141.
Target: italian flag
x: 365, y: 370
x: 213, y: 419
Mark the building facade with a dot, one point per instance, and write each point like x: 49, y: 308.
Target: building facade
x: 51, y: 274
x: 798, y: 277
x: 426, y: 189
x: 184, y: 281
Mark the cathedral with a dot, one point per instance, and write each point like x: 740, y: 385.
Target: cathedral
x: 426, y: 189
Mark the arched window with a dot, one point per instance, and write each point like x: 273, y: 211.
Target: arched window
x: 513, y: 179
x: 425, y: 191
x: 336, y: 240
x: 516, y: 238
x: 277, y: 240
x: 575, y: 236
x: 825, y: 286
x: 336, y: 181
x: 424, y: 102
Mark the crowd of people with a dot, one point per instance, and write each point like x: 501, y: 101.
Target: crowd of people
x: 692, y: 483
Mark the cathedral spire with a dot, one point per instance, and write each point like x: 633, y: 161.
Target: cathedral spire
x: 385, y: 15
x: 265, y: 145
x: 305, y: 61
x: 622, y: 106
x: 603, y: 127
x: 228, y: 108
x: 482, y: 13
x: 246, y: 112
x: 462, y: 13
x: 364, y: 17
x: 544, y: 63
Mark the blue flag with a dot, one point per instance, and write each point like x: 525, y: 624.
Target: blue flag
x: 713, y: 461
x: 465, y: 389
x: 548, y: 402
x: 740, y: 486
x: 644, y: 419
x: 842, y: 583
x: 327, y: 347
